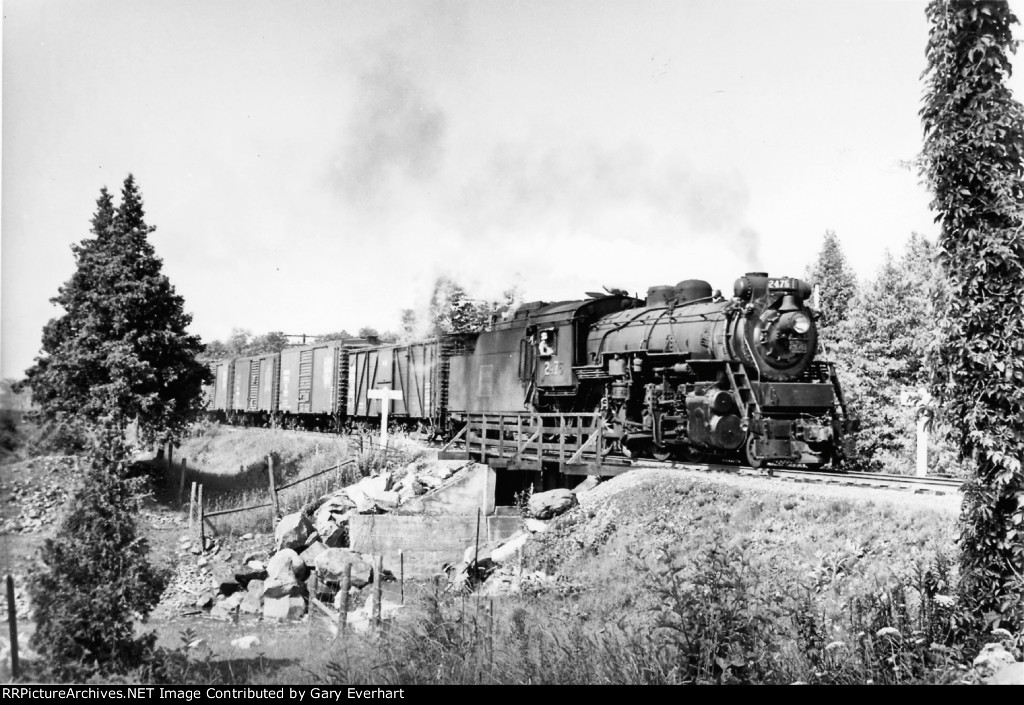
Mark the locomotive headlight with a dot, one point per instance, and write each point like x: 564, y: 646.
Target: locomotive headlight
x: 800, y: 322
x: 796, y: 322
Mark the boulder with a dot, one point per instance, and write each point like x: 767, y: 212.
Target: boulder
x: 226, y: 608
x: 285, y: 571
x: 373, y: 494
x: 535, y: 526
x: 248, y: 572
x: 310, y: 554
x: 252, y: 602
x: 283, y: 608
x: 509, y: 549
x: 330, y: 566
x: 246, y: 642
x: 545, y: 505
x: 292, y: 531
x: 224, y: 580
x: 205, y: 600
x: 331, y: 517
x: 285, y: 561
x: 1008, y: 674
x: 992, y: 659
x: 587, y: 485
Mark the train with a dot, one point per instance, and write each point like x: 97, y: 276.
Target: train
x: 684, y: 372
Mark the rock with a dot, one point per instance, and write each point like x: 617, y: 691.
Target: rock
x: 246, y: 537
x: 292, y: 531
x: 246, y: 642
x: 535, y: 526
x: 330, y: 566
x: 226, y: 608
x: 509, y: 549
x: 545, y: 505
x: 246, y: 574
x: 482, y: 556
x: 1008, y: 674
x: 224, y: 580
x: 284, y: 573
x: 205, y: 600
x: 309, y: 555
x: 251, y: 603
x: 587, y: 485
x: 285, y: 561
x: 991, y: 659
x: 285, y: 586
x: 283, y: 608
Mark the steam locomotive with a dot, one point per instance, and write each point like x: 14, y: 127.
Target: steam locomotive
x: 684, y: 372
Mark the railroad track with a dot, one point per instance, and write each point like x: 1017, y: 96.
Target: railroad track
x: 918, y: 485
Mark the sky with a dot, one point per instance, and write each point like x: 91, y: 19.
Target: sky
x: 313, y: 166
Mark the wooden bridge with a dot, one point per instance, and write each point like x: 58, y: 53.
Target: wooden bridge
x: 536, y: 441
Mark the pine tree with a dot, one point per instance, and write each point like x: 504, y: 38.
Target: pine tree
x: 121, y: 348
x: 880, y: 350
x: 974, y: 162
x: 94, y: 576
x: 837, y: 286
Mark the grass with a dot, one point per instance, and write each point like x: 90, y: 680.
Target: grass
x: 232, y: 465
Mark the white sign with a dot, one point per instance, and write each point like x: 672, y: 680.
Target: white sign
x: 386, y: 396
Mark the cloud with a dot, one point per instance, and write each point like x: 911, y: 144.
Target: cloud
x: 605, y: 194
x: 394, y: 132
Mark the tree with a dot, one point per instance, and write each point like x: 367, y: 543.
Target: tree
x: 972, y: 160
x: 339, y: 335
x: 880, y: 350
x: 121, y: 347
x: 837, y: 285
x: 272, y: 342
x: 94, y: 575
x: 453, y: 311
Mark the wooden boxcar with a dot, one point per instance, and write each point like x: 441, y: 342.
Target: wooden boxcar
x: 415, y: 370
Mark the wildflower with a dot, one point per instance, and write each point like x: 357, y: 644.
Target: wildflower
x: 944, y: 600
x: 888, y: 631
x: 835, y: 645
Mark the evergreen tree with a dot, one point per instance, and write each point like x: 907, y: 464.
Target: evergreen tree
x: 973, y: 147
x: 880, y: 350
x: 121, y: 348
x: 94, y: 576
x: 837, y: 286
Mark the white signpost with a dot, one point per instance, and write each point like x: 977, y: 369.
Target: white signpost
x: 386, y: 396
x: 922, y: 400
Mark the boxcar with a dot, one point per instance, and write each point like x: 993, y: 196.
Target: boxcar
x: 414, y: 370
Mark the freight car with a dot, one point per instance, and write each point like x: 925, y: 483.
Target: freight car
x: 684, y: 372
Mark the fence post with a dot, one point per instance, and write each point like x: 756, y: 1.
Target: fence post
x: 192, y: 500
x: 181, y: 482
x: 170, y: 456
x: 202, y: 521
x: 12, y: 621
x: 401, y: 574
x: 273, y: 489
x: 346, y: 581
x: 378, y: 586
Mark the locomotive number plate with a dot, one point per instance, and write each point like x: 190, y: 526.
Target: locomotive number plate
x: 781, y: 283
x: 798, y: 346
